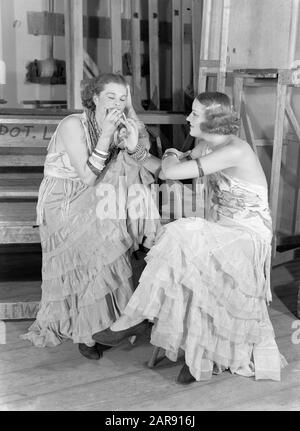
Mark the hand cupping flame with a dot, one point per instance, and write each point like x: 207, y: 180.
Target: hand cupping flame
x: 126, y: 136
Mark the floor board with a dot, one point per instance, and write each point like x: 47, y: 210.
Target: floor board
x: 59, y: 378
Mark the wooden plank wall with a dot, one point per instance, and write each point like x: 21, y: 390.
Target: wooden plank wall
x: 197, y: 11
x: 153, y: 19
x: 149, y: 34
x: 136, y: 52
x: 265, y: 29
x: 116, y: 37
x: 177, y: 68
x: 74, y: 51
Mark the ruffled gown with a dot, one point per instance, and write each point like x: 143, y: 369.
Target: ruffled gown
x: 87, y: 236
x: 206, y: 285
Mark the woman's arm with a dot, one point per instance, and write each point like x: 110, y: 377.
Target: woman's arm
x: 72, y: 135
x: 153, y: 164
x: 222, y: 158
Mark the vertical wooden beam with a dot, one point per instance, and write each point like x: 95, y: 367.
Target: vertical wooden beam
x: 2, y: 63
x: 277, y: 150
x: 116, y: 35
x: 1, y: 32
x: 178, y: 99
x: 204, y: 48
x: 154, y: 52
x: 224, y: 46
x: 290, y: 60
x: 177, y: 68
x: 238, y: 86
x: 197, y: 10
x: 74, y: 51
x: 136, y: 53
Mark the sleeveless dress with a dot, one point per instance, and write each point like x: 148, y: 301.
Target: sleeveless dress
x: 206, y: 285
x: 86, y: 268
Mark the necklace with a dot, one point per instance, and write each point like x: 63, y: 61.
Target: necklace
x: 96, y: 126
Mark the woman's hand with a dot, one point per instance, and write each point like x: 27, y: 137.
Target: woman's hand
x: 111, y: 122
x: 129, y: 135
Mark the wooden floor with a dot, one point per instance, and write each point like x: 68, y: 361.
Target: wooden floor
x: 59, y: 378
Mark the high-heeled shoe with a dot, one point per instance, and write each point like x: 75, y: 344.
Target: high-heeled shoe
x: 89, y: 352
x: 185, y: 377
x: 113, y: 338
x: 102, y: 348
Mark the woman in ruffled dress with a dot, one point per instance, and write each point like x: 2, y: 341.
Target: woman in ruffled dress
x: 86, y: 216
x: 206, y: 285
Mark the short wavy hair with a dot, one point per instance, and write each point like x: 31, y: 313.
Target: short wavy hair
x: 220, y: 116
x: 92, y: 86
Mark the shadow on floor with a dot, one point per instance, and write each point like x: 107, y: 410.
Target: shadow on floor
x: 288, y: 295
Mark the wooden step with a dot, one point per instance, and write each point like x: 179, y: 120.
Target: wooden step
x: 17, y: 222
x: 19, y: 234
x: 21, y: 174
x: 22, y: 157
x: 20, y: 188
x: 14, y: 160
x: 17, y: 212
x: 19, y: 299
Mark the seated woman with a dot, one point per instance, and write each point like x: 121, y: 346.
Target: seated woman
x: 206, y: 284
x: 86, y: 243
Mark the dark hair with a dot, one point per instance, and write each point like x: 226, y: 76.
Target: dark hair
x: 92, y: 86
x: 220, y: 117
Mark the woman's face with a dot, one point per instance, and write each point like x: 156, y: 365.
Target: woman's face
x: 196, y: 117
x: 112, y: 96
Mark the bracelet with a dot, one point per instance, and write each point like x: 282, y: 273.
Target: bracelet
x: 140, y: 153
x: 144, y: 156
x: 95, y: 166
x: 95, y: 170
x: 100, y: 152
x: 141, y: 156
x: 200, y: 170
x: 99, y: 156
x: 170, y: 154
x: 96, y: 161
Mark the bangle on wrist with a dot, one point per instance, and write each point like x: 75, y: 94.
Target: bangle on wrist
x: 170, y: 154
x: 99, y: 157
x: 96, y: 169
x: 96, y: 163
x: 101, y: 152
x: 140, y: 153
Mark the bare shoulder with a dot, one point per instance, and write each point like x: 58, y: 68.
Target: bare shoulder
x: 239, y: 147
x: 241, y: 143
x: 70, y: 124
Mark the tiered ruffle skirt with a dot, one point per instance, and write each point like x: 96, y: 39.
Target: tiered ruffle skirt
x: 206, y: 295
x: 86, y: 272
